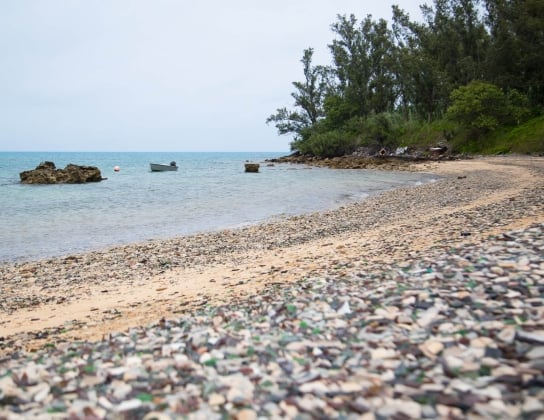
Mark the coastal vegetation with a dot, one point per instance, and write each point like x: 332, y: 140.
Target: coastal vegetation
x: 468, y: 77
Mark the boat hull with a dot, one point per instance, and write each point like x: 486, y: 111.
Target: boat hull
x: 158, y: 167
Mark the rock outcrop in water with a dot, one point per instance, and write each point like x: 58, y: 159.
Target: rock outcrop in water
x: 47, y: 173
x: 252, y: 167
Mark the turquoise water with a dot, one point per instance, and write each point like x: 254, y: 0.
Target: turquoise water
x: 210, y: 191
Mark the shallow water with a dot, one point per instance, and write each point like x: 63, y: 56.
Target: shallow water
x: 210, y: 191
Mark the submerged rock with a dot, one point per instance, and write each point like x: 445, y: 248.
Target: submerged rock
x: 47, y: 173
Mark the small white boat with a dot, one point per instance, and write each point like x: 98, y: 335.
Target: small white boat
x: 161, y: 167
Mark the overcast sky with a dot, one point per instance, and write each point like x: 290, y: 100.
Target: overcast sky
x: 159, y: 75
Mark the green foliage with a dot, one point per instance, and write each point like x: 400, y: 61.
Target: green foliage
x: 338, y: 111
x: 517, y: 107
x: 308, y: 99
x: 288, y: 121
x: 526, y: 138
x: 478, y: 62
x: 478, y: 105
x: 516, y: 58
x: 328, y: 144
x: 382, y: 130
x: 482, y: 108
x: 423, y: 135
x: 430, y: 134
x: 349, y: 52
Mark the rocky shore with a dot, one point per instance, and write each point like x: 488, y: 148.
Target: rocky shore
x: 422, y: 302
x: 386, y: 162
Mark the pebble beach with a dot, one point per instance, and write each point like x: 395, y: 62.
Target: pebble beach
x: 421, y: 302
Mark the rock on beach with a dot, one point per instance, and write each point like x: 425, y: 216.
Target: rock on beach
x: 281, y: 354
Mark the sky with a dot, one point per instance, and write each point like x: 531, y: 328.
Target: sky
x: 159, y: 75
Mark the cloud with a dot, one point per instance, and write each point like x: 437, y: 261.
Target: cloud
x: 156, y: 75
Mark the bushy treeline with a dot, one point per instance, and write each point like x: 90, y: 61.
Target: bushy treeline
x: 472, y: 65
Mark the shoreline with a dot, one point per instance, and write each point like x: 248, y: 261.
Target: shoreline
x: 88, y: 296
x: 63, y: 228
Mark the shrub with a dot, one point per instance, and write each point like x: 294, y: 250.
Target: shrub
x: 479, y: 105
x: 383, y: 130
x: 329, y: 144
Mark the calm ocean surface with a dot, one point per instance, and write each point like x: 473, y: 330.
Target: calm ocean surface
x: 210, y: 191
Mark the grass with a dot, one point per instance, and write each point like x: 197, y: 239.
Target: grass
x: 424, y: 135
x: 526, y: 138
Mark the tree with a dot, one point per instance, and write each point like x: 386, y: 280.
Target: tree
x: 479, y: 106
x: 351, y: 67
x: 363, y: 57
x: 444, y: 52
x: 480, y: 67
x: 382, y: 88
x: 308, y: 97
x: 422, y: 77
x: 516, y: 59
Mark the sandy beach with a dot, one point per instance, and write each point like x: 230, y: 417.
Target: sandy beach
x: 85, y: 297
x: 422, y: 302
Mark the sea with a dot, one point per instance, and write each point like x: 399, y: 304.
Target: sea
x: 209, y: 192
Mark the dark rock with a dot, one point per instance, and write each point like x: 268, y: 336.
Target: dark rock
x: 46, y: 173
x: 492, y: 352
x: 252, y: 167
